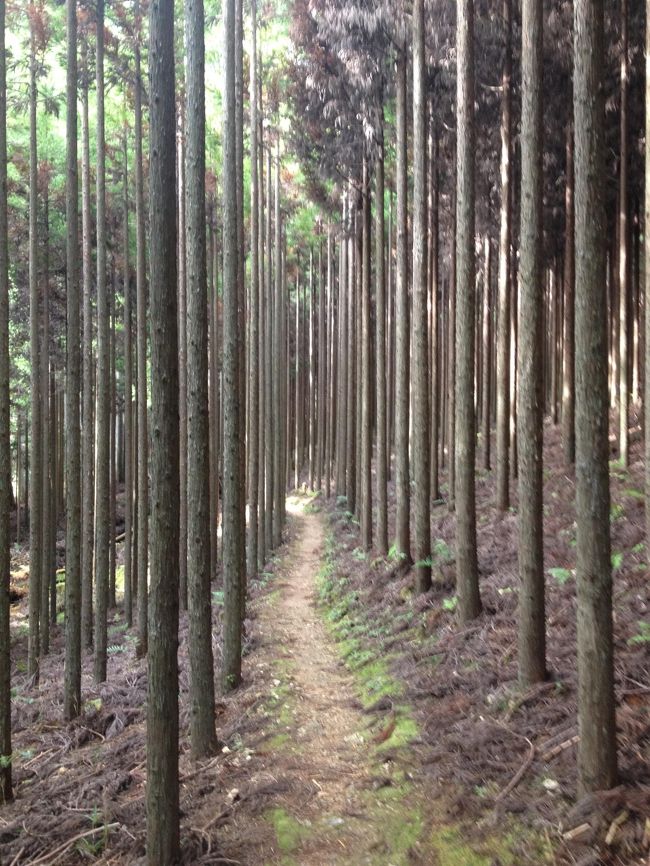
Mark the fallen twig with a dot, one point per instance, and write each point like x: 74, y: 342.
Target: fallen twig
x: 519, y: 775
x: 51, y: 857
x: 561, y: 747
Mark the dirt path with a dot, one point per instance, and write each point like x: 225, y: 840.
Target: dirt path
x: 320, y: 767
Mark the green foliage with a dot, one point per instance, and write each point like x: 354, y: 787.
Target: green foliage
x: 642, y: 636
x: 450, y: 603
x: 616, y: 512
x: 561, y: 575
x: 617, y: 561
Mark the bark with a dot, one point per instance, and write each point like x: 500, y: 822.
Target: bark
x: 596, y: 715
x: 36, y: 473
x: 646, y: 241
x: 469, y: 602
x: 233, y: 505
x: 420, y: 356
x: 182, y: 360
x: 6, y: 789
x: 278, y: 384
x: 402, y: 351
x: 72, y: 670
x: 486, y: 408
x: 202, y: 729
x: 434, y: 276
x: 503, y: 304
x: 342, y: 402
x: 102, y: 491
x: 532, y: 635
x: 128, y: 403
x: 269, y: 393
x: 381, y: 462
x: 46, y: 561
x: 163, y: 844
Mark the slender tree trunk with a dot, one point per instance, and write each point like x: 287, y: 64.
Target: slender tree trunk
x: 381, y: 462
x: 366, y: 394
x: 503, y: 305
x: 568, y: 386
x: 469, y: 602
x: 351, y: 420
x: 72, y: 670
x: 45, y: 436
x: 254, y: 332
x: 596, y: 714
x: 434, y: 278
x: 486, y: 410
x: 128, y: 403
x: 420, y: 357
x: 342, y: 402
x: 451, y: 363
x: 141, y: 351
x: 88, y: 396
x: 402, y: 353
x: 532, y: 623
x: 182, y: 358
x: 6, y: 789
x: 269, y: 448
x: 646, y: 240
x: 202, y: 730
x: 278, y: 384
x: 163, y: 833
x: 263, y: 372
x: 103, y: 380
x: 233, y: 504
x: 36, y: 474
x: 623, y: 249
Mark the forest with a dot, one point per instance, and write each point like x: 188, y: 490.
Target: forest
x: 324, y: 432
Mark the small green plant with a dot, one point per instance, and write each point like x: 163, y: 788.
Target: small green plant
x: 5, y: 761
x: 359, y: 554
x: 217, y: 596
x: 442, y: 551
x: 639, y: 548
x: 616, y: 512
x: 114, y: 649
x: 562, y: 575
x: 617, y: 561
x: 425, y: 563
x: 450, y: 603
x: 642, y: 636
x: 395, y: 555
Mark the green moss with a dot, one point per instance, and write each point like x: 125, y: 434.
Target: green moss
x: 452, y: 850
x: 278, y: 743
x: 289, y: 832
x: 405, y: 731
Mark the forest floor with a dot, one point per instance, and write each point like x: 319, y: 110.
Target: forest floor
x: 369, y: 729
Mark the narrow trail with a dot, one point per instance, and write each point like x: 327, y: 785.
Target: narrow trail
x: 320, y: 768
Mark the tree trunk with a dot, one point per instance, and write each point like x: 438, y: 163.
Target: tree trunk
x: 45, y: 435
x: 402, y: 353
x: 72, y: 669
x: 102, y: 492
x: 596, y: 714
x: 182, y: 358
x: 163, y: 846
x: 6, y: 789
x: 503, y: 305
x: 233, y: 504
x: 486, y: 410
x: 254, y: 331
x: 366, y: 393
x: 532, y: 624
x: 128, y: 403
x: 141, y: 351
x: 646, y: 241
x: 623, y: 240
x: 202, y: 730
x: 469, y: 602
x: 420, y: 357
x: 381, y: 461
x: 568, y: 377
x: 36, y: 474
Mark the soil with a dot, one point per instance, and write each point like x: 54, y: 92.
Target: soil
x: 370, y: 729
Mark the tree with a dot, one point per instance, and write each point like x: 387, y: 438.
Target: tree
x: 198, y: 434
x: 503, y: 307
x: 402, y: 352
x: 420, y: 359
x: 596, y: 717
x: 568, y: 387
x: 102, y: 489
x: 162, y: 708
x: 72, y: 677
x: 646, y: 237
x: 469, y: 601
x: 532, y: 620
x: 380, y: 352
x: 365, y: 431
x: 6, y: 790
x: 623, y: 249
x: 233, y: 525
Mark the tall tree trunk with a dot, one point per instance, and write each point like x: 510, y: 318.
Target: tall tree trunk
x: 233, y: 504
x: 6, y: 789
x: 646, y: 240
x: 568, y: 369
x: 469, y: 602
x: 45, y: 434
x: 434, y: 277
x: 72, y: 670
x: 486, y: 410
x: 420, y: 356
x: 381, y: 461
x: 103, y: 380
x: 254, y: 332
x: 402, y: 353
x: 503, y: 301
x: 88, y: 396
x: 596, y: 715
x: 162, y: 703
x: 269, y: 446
x: 623, y: 240
x: 141, y: 352
x: 202, y: 729
x: 342, y: 401
x: 365, y: 431
x: 278, y: 384
x: 532, y: 624
x: 128, y: 401
x: 36, y: 474
x: 182, y: 359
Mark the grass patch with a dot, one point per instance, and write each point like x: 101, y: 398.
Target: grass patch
x: 289, y: 833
